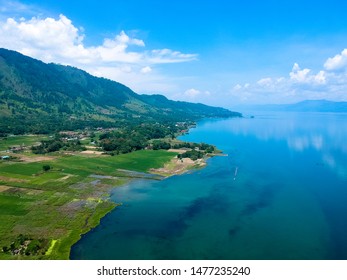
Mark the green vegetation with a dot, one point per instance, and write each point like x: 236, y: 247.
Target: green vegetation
x: 49, y: 194
x: 133, y: 138
x: 24, y: 140
x: 25, y: 245
x: 40, y: 208
x: 53, y: 145
x: 161, y: 145
x: 43, y: 98
x: 193, y: 154
x: 124, y: 140
x: 140, y: 161
x: 46, y: 167
x: 195, y: 146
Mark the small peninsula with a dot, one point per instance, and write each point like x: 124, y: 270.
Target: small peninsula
x: 67, y: 139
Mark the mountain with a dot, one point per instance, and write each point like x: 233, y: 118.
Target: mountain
x: 37, y: 97
x: 305, y: 106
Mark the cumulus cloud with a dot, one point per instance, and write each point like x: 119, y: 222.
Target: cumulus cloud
x: 301, y: 83
x: 299, y: 75
x: 337, y: 62
x: 46, y: 39
x: 59, y: 40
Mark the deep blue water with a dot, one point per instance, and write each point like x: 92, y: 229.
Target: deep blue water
x: 288, y: 200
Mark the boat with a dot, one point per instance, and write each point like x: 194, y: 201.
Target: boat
x: 235, y: 173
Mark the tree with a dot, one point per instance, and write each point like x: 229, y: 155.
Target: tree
x: 46, y: 167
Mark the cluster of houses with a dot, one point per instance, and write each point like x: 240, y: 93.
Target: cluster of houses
x: 16, y: 149
x: 80, y: 135
x: 72, y: 135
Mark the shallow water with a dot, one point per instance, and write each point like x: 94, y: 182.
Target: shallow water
x: 287, y: 201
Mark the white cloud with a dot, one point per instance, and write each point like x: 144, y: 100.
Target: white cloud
x: 300, y: 84
x: 265, y: 82
x: 192, y: 93
x: 298, y: 75
x: 304, y: 76
x: 146, y: 70
x: 320, y: 78
x: 123, y: 38
x: 337, y: 62
x: 139, y: 82
x: 119, y: 58
x: 169, y: 56
x: 237, y: 87
x: 58, y: 40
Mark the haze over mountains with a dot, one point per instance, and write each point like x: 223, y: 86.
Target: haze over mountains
x: 36, y: 97
x: 303, y: 106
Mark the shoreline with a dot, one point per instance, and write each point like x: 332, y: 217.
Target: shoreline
x: 181, y: 166
x: 84, y: 183
x: 174, y: 167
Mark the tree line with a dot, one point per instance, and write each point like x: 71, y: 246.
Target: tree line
x: 155, y: 136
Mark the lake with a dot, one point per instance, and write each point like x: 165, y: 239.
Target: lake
x: 280, y: 193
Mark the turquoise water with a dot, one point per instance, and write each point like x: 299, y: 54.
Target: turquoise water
x: 287, y: 201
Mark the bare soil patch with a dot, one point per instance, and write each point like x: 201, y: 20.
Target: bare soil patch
x: 178, y: 166
x: 90, y: 147
x: 7, y: 179
x: 180, y: 151
x: 65, y: 177
x: 4, y: 188
x: 35, y: 158
x: 92, y: 152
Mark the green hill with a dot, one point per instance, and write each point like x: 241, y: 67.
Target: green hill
x: 36, y: 97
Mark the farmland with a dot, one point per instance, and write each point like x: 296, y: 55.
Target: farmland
x: 25, y: 140
x: 52, y: 208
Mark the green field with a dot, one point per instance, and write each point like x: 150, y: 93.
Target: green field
x: 26, y: 140
x: 61, y: 204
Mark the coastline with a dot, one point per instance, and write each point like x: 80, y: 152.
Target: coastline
x: 78, y: 189
x: 172, y: 168
x: 60, y: 205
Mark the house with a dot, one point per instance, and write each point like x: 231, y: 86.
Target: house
x: 16, y: 149
x: 5, y: 157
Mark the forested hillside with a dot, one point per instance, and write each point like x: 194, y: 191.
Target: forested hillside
x: 36, y: 97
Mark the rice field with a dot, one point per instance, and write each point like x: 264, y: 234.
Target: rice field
x: 64, y: 202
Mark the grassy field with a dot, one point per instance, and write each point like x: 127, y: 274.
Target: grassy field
x: 59, y: 205
x: 29, y: 140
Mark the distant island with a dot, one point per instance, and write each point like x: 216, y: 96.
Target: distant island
x: 67, y: 138
x: 304, y: 106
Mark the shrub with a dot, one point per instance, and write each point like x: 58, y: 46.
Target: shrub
x: 46, y: 167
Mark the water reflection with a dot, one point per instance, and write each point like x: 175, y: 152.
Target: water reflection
x: 306, y: 142
x: 301, y: 131
x: 324, y: 132
x: 287, y: 202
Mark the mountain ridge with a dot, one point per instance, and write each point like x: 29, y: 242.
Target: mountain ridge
x: 320, y: 105
x: 36, y: 97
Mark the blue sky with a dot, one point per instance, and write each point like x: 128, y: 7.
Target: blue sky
x: 217, y: 52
